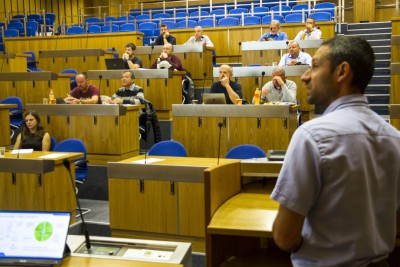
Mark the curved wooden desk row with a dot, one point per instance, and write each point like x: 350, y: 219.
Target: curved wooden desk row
x: 267, y: 126
x: 250, y: 77
x: 30, y: 182
x: 110, y: 132
x: 11, y: 61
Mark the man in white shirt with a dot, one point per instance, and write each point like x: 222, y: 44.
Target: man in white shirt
x: 199, y: 38
x: 295, y: 56
x: 311, y: 32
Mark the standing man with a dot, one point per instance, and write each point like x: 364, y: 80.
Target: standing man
x: 295, y: 56
x: 84, y: 93
x: 129, y: 93
x: 130, y: 60
x: 311, y: 32
x: 339, y: 187
x: 199, y: 38
x: 165, y: 37
x: 274, y: 34
x: 168, y: 58
x: 231, y: 89
x: 279, y: 89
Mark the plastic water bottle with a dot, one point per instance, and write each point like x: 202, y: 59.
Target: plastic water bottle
x: 257, y: 93
x: 51, y: 97
x: 158, y: 63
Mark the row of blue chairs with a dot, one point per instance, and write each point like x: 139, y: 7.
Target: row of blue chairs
x: 127, y: 27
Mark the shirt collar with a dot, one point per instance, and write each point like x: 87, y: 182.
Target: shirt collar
x: 132, y: 87
x: 347, y: 100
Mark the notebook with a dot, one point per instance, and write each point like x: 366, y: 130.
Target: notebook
x: 33, y: 238
x: 214, y: 99
x: 116, y: 64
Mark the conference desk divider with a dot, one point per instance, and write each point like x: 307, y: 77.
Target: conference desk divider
x: 161, y: 87
x: 394, y: 110
x: 196, y: 59
x: 13, y: 62
x: 110, y: 132
x: 5, y: 139
x: 267, y: 126
x: 37, y: 181
x: 168, y: 198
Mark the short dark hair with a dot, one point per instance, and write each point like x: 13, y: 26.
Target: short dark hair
x: 164, y: 25
x: 358, y: 53
x: 131, y: 45
x: 131, y: 72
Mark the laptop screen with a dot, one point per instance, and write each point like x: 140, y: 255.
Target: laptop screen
x: 33, y: 237
x: 214, y: 99
x: 116, y: 64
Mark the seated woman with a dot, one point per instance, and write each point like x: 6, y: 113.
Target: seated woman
x: 33, y: 135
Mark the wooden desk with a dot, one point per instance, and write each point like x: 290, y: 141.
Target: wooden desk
x: 264, y: 53
x: 197, y: 59
x: 5, y: 139
x: 99, y: 262
x: 395, y: 115
x: 161, y: 87
x: 250, y: 77
x: 260, y: 167
x: 267, y: 126
x: 110, y: 132
x: 30, y: 183
x: 13, y: 62
x: 168, y: 199
x: 31, y: 87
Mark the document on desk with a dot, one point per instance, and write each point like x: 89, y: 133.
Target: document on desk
x: 147, y: 161
x: 53, y: 156
x: 22, y: 151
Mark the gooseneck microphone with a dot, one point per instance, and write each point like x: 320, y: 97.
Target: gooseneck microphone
x: 87, y: 239
x: 148, y: 126
x: 220, y: 124
x: 287, y: 52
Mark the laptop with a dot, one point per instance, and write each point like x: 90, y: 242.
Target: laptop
x: 33, y: 238
x: 116, y: 64
x: 214, y: 99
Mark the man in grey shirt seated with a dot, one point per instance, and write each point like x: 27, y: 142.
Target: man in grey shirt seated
x: 279, y: 89
x: 199, y: 38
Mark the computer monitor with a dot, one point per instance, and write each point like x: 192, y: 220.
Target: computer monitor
x: 33, y: 238
x: 214, y: 99
x: 116, y: 64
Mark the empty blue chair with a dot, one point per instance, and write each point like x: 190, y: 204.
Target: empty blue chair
x: 299, y: 8
x: 75, y: 145
x: 92, y: 20
x: 127, y: 27
x: 31, y: 61
x: 285, y: 9
x: 296, y: 17
x: 171, y: 24
x: 252, y: 20
x: 19, y: 17
x: 161, y: 15
x: 245, y: 152
x: 183, y: 25
x: 16, y: 116
x: 325, y: 7
x: 108, y: 19
x: 181, y: 16
x: 29, y: 32
x: 206, y: 23
x: 219, y: 13
x: 51, y: 17
x: 148, y: 28
x: 195, y: 15
x: 237, y: 12
x: 74, y: 30
x: 126, y: 18
x: 34, y: 16
x: 41, y: 22
x: 267, y: 19
x: 321, y: 16
x: 110, y: 28
x: 94, y: 29
x: 69, y: 71
x: 168, y: 148
x: 142, y: 17
x: 11, y: 33
x: 15, y: 25
x: 225, y: 22
x: 260, y: 11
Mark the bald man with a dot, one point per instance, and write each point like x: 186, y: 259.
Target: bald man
x: 199, y: 38
x: 295, y: 56
x: 274, y: 34
x: 168, y: 56
x: 232, y: 90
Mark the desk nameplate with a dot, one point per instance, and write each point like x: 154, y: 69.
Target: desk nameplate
x: 232, y: 111
x: 18, y: 165
x: 276, y: 45
x: 394, y: 111
x: 265, y: 71
x: 71, y: 53
x: 78, y: 110
x: 176, y: 173
x: 28, y: 76
x: 139, y: 74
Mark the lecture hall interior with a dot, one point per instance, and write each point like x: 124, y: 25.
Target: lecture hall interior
x: 165, y: 174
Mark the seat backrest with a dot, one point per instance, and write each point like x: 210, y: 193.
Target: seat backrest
x: 74, y: 30
x: 72, y: 71
x: 168, y: 148
x: 238, y: 10
x: 228, y: 22
x: 326, y: 7
x: 71, y: 145
x: 15, y: 25
x: 190, y: 24
x: 161, y: 15
x: 260, y: 11
x: 11, y: 33
x: 34, y: 16
x: 171, y: 24
x: 125, y: 18
x: 296, y: 17
x: 143, y: 17
x: 321, y: 16
x: 252, y: 20
x: 53, y: 143
x: 181, y: 14
x: 16, y: 116
x: 127, y: 27
x: 94, y: 29
x: 267, y: 19
x: 92, y: 20
x: 108, y: 19
x: 245, y: 152
x: 206, y: 23
x: 285, y: 10
x: 51, y: 17
x: 299, y: 8
x: 147, y: 25
x: 110, y: 28
x: 217, y: 12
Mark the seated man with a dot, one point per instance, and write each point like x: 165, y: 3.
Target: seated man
x: 129, y: 93
x: 231, y: 89
x: 165, y: 37
x: 295, y: 56
x: 274, y: 34
x: 199, y: 38
x: 131, y: 61
x: 279, y: 89
x: 173, y: 62
x: 84, y: 93
x: 310, y: 32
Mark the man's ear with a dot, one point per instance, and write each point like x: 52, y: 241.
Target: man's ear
x: 343, y: 71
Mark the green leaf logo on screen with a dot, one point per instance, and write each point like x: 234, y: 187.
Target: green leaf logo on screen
x: 43, y: 231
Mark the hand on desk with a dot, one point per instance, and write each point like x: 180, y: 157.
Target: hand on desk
x: 72, y: 100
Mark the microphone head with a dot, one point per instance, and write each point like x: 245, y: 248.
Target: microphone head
x: 220, y: 124
x: 67, y: 164
x: 263, y: 73
x: 287, y: 42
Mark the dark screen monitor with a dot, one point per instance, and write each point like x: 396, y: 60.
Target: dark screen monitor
x: 116, y: 64
x: 214, y: 99
x: 33, y: 238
